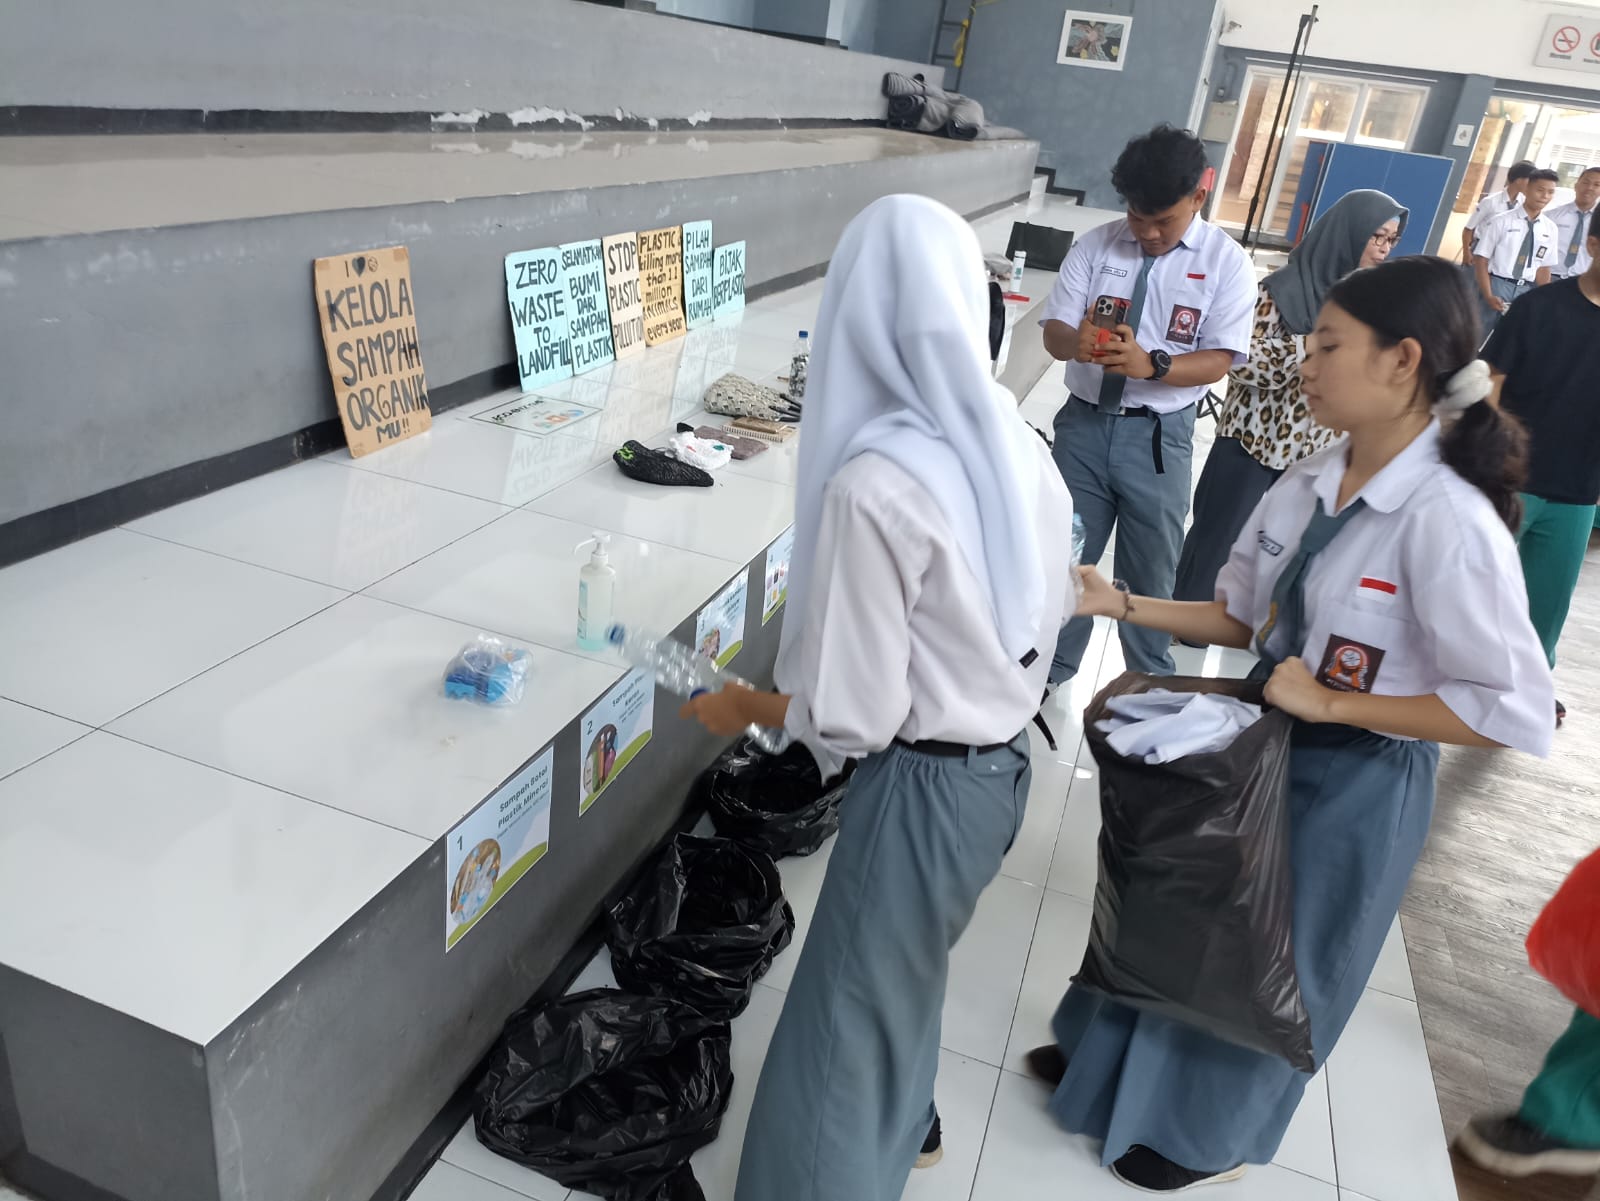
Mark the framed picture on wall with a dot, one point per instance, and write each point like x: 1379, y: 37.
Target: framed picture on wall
x: 1098, y: 40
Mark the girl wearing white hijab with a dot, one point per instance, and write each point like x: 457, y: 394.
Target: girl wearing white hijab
x: 927, y: 591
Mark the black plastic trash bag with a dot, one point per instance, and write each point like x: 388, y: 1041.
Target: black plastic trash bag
x: 702, y: 925
x: 1194, y: 909
x: 773, y: 803
x: 608, y: 1093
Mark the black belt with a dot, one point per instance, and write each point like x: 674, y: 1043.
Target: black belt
x: 951, y: 750
x: 1138, y: 411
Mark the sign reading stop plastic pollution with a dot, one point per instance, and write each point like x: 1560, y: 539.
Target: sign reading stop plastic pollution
x: 369, y: 329
x: 622, y: 294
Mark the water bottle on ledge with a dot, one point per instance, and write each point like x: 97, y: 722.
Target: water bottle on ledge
x: 682, y: 671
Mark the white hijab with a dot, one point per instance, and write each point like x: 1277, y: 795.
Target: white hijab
x: 901, y: 368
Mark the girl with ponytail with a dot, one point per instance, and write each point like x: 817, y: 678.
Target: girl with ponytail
x: 1380, y: 584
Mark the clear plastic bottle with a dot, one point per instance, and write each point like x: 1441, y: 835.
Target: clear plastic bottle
x: 799, y: 364
x: 680, y: 670
x: 1079, y: 537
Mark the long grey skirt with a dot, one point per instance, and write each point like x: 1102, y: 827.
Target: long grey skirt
x: 1360, y: 805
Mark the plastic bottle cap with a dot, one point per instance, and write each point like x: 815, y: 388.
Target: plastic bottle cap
x: 617, y: 635
x: 805, y: 333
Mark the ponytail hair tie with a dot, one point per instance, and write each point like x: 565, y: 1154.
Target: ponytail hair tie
x: 1465, y: 388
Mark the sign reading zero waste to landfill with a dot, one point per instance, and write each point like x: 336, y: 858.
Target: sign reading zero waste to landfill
x: 369, y: 327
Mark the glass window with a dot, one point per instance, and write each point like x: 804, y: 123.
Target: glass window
x: 1389, y: 117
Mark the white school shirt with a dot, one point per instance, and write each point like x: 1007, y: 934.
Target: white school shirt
x: 1569, y: 218
x: 1420, y: 593
x: 898, y: 638
x: 1201, y: 295
x: 1500, y: 241
x: 1491, y: 205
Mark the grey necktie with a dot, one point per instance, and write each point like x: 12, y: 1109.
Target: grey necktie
x: 1578, y: 231
x: 1111, y: 386
x: 1523, y: 255
x: 1285, y: 624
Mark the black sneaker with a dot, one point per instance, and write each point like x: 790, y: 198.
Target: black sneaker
x: 1047, y: 1063
x: 1561, y: 714
x: 1511, y: 1147
x: 1143, y: 1169
x: 639, y: 462
x: 932, y: 1146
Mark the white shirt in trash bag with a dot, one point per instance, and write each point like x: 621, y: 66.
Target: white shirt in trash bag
x: 1160, y: 726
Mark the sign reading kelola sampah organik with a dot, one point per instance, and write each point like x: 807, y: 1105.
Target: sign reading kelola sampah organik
x: 369, y: 327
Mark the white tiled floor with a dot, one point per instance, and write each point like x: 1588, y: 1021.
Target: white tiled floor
x: 245, y: 691
x: 1369, y: 1119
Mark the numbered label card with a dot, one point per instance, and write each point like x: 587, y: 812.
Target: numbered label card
x: 776, y: 589
x: 719, y: 630
x: 496, y: 845
x: 614, y: 732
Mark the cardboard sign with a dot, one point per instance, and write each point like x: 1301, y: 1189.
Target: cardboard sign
x: 537, y: 291
x: 661, y: 273
x: 622, y: 294
x: 698, y: 307
x: 727, y: 289
x: 588, y: 312
x: 369, y: 328
x: 496, y: 845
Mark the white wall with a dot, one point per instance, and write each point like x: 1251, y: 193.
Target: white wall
x: 1498, y: 38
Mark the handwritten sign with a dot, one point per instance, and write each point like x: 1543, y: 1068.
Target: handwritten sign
x: 661, y: 273
x: 622, y: 294
x: 588, y: 312
x: 496, y: 845
x: 537, y: 291
x: 727, y: 290
x: 698, y: 257
x: 369, y: 328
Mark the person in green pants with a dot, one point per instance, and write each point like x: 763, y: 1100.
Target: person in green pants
x: 1545, y: 355
x: 1558, y: 1127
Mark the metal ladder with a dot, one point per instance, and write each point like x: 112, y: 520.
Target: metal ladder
x: 956, y: 33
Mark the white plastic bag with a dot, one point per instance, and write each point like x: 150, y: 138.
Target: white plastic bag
x: 701, y: 452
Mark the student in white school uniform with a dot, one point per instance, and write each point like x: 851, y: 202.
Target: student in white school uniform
x: 1379, y: 582
x: 1516, y: 251
x: 1572, y: 226
x: 928, y: 585
x: 1125, y: 438
x: 1495, y: 203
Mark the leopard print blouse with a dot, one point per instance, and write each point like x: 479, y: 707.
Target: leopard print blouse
x: 1264, y: 408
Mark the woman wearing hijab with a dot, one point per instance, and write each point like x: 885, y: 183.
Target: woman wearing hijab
x: 926, y: 594
x: 1265, y: 427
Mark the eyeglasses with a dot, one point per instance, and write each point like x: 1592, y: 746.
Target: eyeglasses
x: 1383, y: 239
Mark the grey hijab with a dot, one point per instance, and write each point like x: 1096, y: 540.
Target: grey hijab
x: 1331, y: 250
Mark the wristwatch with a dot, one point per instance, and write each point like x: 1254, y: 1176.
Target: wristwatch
x: 1160, y: 364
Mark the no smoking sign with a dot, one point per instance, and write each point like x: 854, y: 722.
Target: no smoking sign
x: 1566, y: 39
